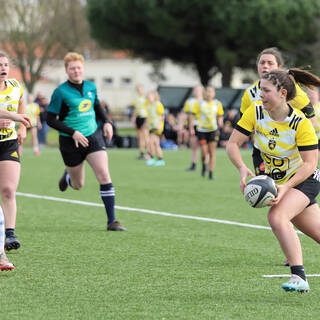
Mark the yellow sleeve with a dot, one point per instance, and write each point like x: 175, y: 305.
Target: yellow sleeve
x: 248, y: 120
x: 306, y: 137
x: 245, y: 102
x: 160, y: 108
x: 300, y: 100
x: 186, y: 107
x: 220, y: 110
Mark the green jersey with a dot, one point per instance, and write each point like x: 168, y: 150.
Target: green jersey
x: 74, y: 108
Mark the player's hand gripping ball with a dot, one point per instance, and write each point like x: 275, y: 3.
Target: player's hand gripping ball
x: 259, y: 191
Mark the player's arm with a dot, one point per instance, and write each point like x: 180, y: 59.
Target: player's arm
x: 22, y: 131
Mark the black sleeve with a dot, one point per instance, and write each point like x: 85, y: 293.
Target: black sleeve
x: 55, y: 123
x: 308, y: 111
x: 100, y: 113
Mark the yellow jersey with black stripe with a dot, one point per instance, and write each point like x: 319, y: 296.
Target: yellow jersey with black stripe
x: 207, y: 113
x: 190, y: 106
x: 155, y: 117
x: 317, y: 113
x: 140, y: 106
x: 279, y: 142
x: 300, y: 101
x: 9, y: 100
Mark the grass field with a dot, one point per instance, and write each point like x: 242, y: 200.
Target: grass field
x: 163, y: 267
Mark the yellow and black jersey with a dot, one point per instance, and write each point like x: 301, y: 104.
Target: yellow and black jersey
x: 189, y: 107
x: 279, y: 142
x: 207, y: 114
x: 140, y: 106
x: 300, y: 101
x: 156, y: 117
x: 33, y: 111
x: 9, y: 100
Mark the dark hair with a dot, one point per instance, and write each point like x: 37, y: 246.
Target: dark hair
x: 287, y: 79
x: 275, y: 52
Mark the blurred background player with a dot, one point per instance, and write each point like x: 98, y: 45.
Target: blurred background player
x: 11, y: 95
x: 210, y: 118
x: 33, y: 112
x: 155, y: 124
x: 73, y: 110
x: 139, y: 120
x: 271, y: 59
x: 189, y: 108
x: 314, y: 96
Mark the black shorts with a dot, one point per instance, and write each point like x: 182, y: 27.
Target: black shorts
x: 140, y: 122
x: 310, y: 187
x: 258, y: 164
x: 318, y: 144
x: 211, y: 136
x: 9, y: 150
x: 73, y: 156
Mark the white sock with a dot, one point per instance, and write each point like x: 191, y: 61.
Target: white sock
x: 2, y: 232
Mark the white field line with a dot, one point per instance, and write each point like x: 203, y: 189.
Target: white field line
x: 287, y: 275
x: 85, y: 203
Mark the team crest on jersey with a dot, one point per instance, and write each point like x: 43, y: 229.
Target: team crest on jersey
x: 10, y: 107
x: 272, y: 144
x: 7, y: 98
x: 85, y: 105
x: 274, y: 132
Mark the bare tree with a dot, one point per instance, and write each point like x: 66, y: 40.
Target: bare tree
x: 34, y: 31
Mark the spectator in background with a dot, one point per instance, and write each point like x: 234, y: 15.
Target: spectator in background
x: 33, y: 112
x: 170, y: 133
x: 139, y: 120
x: 225, y: 133
x: 183, y: 130
x: 43, y: 130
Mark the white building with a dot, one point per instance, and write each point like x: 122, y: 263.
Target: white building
x: 116, y: 79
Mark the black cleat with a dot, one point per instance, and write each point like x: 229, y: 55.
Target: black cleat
x: 12, y: 243
x: 62, y: 182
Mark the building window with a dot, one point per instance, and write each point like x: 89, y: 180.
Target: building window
x: 90, y: 79
x: 126, y: 82
x: 107, y: 82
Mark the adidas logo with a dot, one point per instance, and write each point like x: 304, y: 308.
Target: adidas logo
x: 274, y: 132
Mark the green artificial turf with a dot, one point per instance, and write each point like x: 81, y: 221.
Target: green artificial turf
x: 163, y: 267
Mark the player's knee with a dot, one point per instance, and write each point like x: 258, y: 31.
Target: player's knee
x: 7, y: 192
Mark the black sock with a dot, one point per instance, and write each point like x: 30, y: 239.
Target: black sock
x: 9, y: 232
x: 108, y: 196
x: 299, y: 271
x: 210, y: 174
x: 193, y: 165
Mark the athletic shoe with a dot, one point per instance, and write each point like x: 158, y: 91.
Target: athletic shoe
x: 62, y: 182
x: 115, y: 226
x: 5, y: 264
x: 150, y: 162
x: 12, y: 243
x: 141, y: 157
x: 286, y: 263
x: 191, y: 168
x: 212, y: 177
x: 160, y: 163
x: 36, y: 153
x: 296, y: 284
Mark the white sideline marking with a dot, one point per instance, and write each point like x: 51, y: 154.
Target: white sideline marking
x: 287, y: 275
x: 30, y: 195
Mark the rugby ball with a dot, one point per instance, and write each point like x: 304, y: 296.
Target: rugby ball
x: 259, y: 191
